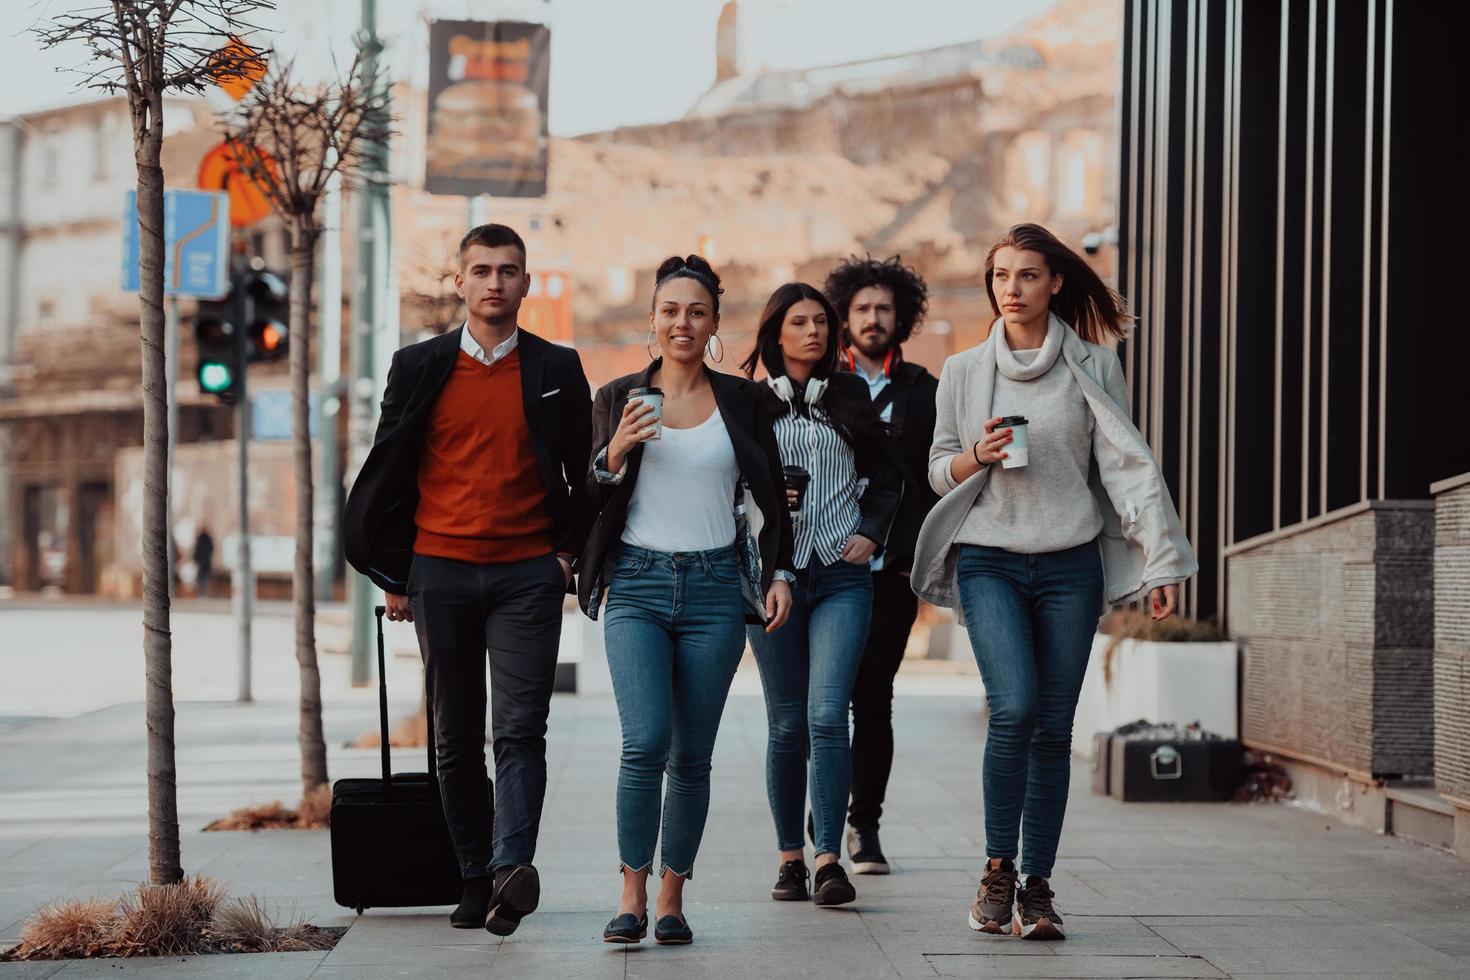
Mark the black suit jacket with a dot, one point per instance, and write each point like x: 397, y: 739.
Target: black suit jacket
x: 379, y: 528
x: 911, y: 390
x: 756, y: 454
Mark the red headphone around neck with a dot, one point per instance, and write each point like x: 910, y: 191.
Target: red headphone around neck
x: 849, y: 361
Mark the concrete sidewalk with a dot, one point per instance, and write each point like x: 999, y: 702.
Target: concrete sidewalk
x: 1148, y: 890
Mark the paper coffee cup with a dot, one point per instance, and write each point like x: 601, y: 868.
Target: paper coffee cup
x: 654, y: 397
x: 1017, y: 452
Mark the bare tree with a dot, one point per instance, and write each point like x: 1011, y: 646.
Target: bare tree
x: 145, y: 49
x: 292, y: 137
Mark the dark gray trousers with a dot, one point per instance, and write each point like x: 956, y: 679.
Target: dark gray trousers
x: 513, y: 610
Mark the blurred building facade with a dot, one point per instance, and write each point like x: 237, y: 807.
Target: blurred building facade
x: 773, y: 175
x: 780, y: 175
x: 70, y: 372
x: 1287, y: 197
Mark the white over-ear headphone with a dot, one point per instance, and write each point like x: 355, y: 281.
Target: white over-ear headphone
x: 787, y: 392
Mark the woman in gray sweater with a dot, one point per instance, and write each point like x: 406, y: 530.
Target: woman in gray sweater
x: 1051, y: 506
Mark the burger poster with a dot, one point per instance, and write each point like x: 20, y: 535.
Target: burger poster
x: 487, y: 108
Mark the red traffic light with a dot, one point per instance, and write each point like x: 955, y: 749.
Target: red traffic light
x: 267, y: 340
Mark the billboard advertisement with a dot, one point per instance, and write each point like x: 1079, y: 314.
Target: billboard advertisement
x: 487, y: 108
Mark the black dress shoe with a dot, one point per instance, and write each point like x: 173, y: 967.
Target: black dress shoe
x: 474, y: 904
x: 626, y: 928
x: 517, y: 893
x: 672, y: 930
x: 791, y: 882
x: 831, y: 886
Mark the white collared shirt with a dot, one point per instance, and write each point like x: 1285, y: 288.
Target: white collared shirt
x: 471, y: 346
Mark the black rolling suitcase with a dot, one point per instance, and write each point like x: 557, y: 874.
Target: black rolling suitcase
x: 390, y: 844
x: 1166, y: 764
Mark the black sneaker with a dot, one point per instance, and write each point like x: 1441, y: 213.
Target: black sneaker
x: 791, y: 882
x: 517, y: 893
x: 991, y: 912
x: 865, y: 852
x: 626, y: 928
x: 474, y: 905
x: 831, y: 887
x: 1039, y: 918
x: 673, y: 930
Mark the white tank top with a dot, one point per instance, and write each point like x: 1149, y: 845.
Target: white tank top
x: 684, y: 500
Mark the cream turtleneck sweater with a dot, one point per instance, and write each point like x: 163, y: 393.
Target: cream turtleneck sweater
x: 1047, y: 505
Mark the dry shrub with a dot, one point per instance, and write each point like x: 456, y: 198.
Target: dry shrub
x: 165, y: 920
x: 314, y: 812
x: 1136, y: 624
x: 244, y: 926
x: 412, y: 733
x: 66, y: 930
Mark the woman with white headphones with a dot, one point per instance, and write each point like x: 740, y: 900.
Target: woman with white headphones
x: 842, y: 507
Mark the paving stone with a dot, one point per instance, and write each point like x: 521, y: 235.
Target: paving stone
x: 234, y: 966
x: 1083, y: 967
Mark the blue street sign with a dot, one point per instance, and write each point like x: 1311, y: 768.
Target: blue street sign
x: 270, y: 415
x: 196, y: 244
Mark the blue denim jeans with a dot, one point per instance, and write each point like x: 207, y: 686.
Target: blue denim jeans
x: 674, y: 631
x: 1031, y: 619
x: 808, y: 668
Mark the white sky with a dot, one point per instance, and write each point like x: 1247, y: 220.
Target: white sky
x: 613, y: 62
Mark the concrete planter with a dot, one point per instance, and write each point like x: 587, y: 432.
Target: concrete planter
x: 1161, y: 682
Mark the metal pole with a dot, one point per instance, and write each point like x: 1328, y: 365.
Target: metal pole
x: 372, y: 229
x: 244, y: 574
x: 171, y: 376
x: 329, y: 333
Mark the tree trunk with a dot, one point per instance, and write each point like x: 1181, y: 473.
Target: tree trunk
x: 303, y: 584
x: 163, y: 811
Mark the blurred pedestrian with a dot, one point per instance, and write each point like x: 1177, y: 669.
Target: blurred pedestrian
x: 684, y: 461
x: 1041, y: 475
x: 470, y: 514
x: 203, y: 561
x: 881, y: 304
x: 847, y: 493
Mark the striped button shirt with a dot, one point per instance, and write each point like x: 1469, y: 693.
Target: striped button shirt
x: 829, y: 515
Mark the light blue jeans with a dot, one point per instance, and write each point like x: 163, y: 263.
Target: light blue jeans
x: 674, y: 632
x: 808, y: 668
x: 1031, y: 619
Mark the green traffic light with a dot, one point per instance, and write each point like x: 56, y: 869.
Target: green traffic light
x: 215, y: 377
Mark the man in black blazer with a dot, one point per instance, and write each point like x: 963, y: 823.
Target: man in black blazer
x: 881, y: 304
x: 470, y: 513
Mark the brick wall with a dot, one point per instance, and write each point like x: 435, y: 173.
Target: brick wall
x: 1336, y: 622
x: 1452, y: 637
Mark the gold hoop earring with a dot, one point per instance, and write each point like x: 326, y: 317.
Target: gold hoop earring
x: 714, y: 341
x: 648, y: 346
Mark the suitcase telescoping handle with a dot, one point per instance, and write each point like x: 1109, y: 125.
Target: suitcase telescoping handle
x: 378, y: 612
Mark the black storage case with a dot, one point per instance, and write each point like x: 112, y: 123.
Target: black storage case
x: 390, y: 844
x: 1154, y: 767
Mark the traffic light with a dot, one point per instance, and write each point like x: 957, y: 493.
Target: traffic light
x: 219, y: 349
x: 259, y: 299
x: 269, y: 308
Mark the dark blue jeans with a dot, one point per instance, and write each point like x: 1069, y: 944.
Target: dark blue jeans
x: 512, y: 610
x: 808, y: 668
x: 674, y: 632
x: 1031, y: 619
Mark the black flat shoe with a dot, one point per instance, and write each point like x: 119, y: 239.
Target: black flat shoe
x: 791, y: 882
x: 475, y: 904
x: 831, y: 886
x: 517, y: 893
x: 626, y: 928
x: 672, y: 931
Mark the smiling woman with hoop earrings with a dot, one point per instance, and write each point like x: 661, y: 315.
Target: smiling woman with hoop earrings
x: 691, y: 542
x: 844, y: 485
